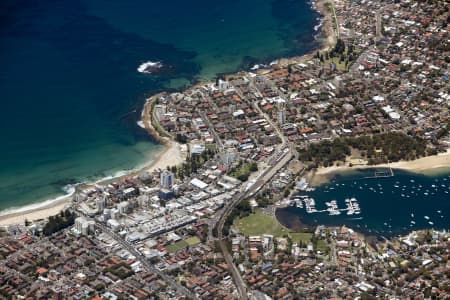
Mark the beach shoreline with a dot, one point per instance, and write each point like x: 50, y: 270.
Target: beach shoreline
x: 171, y: 155
x: 424, y: 165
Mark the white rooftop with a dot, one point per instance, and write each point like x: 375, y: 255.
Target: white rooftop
x: 198, y: 183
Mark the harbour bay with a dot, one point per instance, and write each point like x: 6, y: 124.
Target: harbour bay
x: 388, y: 206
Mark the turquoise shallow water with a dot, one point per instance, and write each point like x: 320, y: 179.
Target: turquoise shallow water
x: 389, y: 206
x: 70, y: 93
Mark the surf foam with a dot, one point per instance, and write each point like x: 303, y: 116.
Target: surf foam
x: 70, y: 190
x: 149, y: 66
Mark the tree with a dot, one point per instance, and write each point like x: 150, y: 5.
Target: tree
x: 181, y: 138
x: 339, y: 47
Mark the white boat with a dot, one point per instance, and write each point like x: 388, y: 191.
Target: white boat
x: 431, y: 223
x: 302, y: 184
x: 427, y: 217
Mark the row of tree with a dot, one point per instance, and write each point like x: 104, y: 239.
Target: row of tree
x: 192, y: 164
x: 341, y: 50
x: 325, y: 153
x: 242, y: 210
x: 243, y: 170
x: 379, y: 148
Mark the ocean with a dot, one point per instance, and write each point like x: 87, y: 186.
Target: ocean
x: 388, y: 206
x: 71, y: 93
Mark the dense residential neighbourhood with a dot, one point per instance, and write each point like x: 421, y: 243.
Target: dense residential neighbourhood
x: 176, y: 233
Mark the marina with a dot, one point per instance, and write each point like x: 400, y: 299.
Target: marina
x: 352, y: 206
x: 303, y: 201
x: 376, y: 205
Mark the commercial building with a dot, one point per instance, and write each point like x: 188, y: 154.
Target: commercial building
x: 167, y: 179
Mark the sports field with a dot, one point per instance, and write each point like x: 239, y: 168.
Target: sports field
x: 259, y: 223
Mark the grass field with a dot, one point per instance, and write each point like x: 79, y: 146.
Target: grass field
x: 258, y: 224
x: 183, y: 244
x: 322, y: 246
x: 177, y: 246
x: 193, y: 241
x: 300, y: 236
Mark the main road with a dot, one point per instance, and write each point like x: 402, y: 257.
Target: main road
x: 263, y: 179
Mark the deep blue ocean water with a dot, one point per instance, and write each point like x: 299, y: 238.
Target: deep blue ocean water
x: 389, y: 206
x: 70, y: 93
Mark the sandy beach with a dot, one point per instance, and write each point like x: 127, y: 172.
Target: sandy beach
x: 424, y: 165
x: 170, y: 156
x: 35, y: 214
